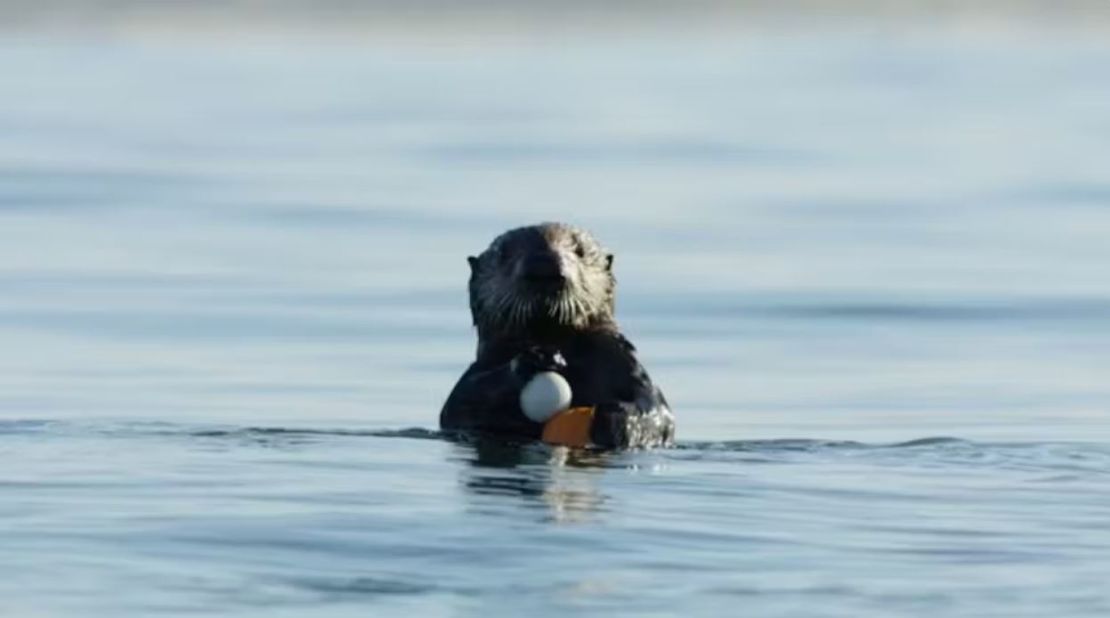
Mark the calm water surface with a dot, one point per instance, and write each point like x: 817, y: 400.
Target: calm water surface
x: 870, y: 271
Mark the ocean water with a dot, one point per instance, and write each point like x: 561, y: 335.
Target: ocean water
x: 868, y: 267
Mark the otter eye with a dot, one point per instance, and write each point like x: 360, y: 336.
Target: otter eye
x: 580, y: 251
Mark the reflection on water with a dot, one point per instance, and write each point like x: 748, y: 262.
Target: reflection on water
x: 287, y: 518
x: 231, y: 270
x: 559, y: 478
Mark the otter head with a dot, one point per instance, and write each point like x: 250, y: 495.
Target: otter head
x: 539, y: 281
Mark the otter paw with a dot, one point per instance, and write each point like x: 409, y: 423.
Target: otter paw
x: 611, y: 424
x: 626, y: 425
x: 534, y: 360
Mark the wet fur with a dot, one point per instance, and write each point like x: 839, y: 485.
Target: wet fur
x: 503, y: 307
x: 575, y: 319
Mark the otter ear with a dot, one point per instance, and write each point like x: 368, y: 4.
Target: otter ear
x: 473, y: 261
x: 609, y: 261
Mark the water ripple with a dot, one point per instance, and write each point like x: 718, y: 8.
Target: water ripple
x: 1075, y: 457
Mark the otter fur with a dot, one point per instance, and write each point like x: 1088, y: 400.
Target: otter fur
x: 542, y: 299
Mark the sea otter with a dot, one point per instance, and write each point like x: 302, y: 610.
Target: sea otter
x: 542, y: 299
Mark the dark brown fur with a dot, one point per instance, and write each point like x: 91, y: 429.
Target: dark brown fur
x: 543, y: 298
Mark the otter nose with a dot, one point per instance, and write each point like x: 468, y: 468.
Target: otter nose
x: 543, y: 268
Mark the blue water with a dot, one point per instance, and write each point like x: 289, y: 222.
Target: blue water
x: 869, y: 270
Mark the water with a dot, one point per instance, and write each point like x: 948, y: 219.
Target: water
x: 869, y: 269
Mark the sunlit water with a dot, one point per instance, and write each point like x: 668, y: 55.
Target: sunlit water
x: 870, y: 272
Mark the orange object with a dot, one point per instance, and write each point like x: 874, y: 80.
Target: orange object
x: 570, y: 428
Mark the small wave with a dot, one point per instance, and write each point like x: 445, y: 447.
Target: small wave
x: 24, y: 426
x: 362, y: 586
x: 1058, y: 456
x: 1097, y: 309
x: 932, y: 441
x: 811, y: 445
x: 415, y: 433
x: 129, y: 429
x: 1057, y: 462
x: 786, y: 444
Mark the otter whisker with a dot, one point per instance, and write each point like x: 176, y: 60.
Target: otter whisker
x: 554, y: 308
x: 512, y: 303
x: 521, y: 312
x: 504, y: 305
x: 579, y: 308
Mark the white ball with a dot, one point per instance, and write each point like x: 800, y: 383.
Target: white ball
x: 544, y: 395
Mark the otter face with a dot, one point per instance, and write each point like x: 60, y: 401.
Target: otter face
x: 539, y: 277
